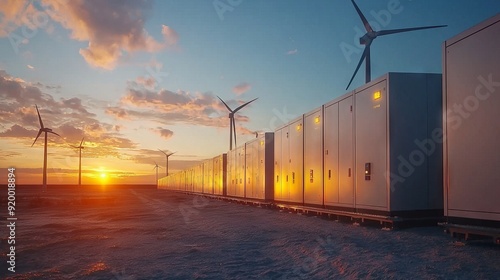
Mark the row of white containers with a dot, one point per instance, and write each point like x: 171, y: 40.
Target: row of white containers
x: 250, y: 169
x: 370, y: 150
x: 245, y: 172
x: 381, y: 148
x: 208, y: 177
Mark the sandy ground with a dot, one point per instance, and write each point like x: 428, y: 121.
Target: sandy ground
x: 138, y: 233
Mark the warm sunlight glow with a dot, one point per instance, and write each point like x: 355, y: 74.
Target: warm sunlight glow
x: 103, y: 175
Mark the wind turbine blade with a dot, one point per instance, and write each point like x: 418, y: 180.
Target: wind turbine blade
x: 54, y: 133
x: 82, y: 141
x: 76, y: 147
x: 394, y: 31
x: 155, y: 163
x: 359, y: 64
x: 162, y: 151
x: 363, y: 18
x: 39, y: 132
x: 225, y: 104
x: 236, y: 110
x: 39, y: 118
x: 172, y: 153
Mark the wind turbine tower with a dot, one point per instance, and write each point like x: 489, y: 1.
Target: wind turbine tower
x: 80, y: 148
x: 156, y: 167
x: 166, y: 156
x: 45, y: 130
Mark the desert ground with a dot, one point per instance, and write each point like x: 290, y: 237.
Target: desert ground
x: 131, y: 232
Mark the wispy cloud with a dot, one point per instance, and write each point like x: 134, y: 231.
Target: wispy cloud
x: 292, y: 52
x: 30, y: 67
x: 241, y: 88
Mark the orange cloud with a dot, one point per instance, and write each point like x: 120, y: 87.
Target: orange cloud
x: 171, y: 37
x: 168, y: 107
x: 68, y: 117
x: 241, y: 88
x: 163, y: 132
x: 111, y: 28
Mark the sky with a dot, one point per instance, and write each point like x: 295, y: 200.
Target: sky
x: 132, y: 77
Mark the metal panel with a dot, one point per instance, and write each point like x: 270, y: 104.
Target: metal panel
x: 371, y: 147
x: 266, y: 166
x: 208, y: 177
x: 257, y: 171
x: 331, y: 153
x: 261, y: 151
x: 346, y: 153
x: 295, y: 184
x: 278, y: 163
x: 413, y: 113
x: 313, y: 157
x: 240, y: 172
x: 249, y: 162
x: 231, y: 171
x: 218, y: 175
x: 472, y: 101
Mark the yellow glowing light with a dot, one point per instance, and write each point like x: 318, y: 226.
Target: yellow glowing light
x: 103, y: 175
x: 377, y: 95
x: 316, y: 119
x: 299, y: 126
x: 262, y: 143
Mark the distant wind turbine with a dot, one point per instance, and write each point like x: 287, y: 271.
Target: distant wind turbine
x: 232, y: 123
x: 371, y: 35
x: 45, y: 130
x: 166, y: 156
x: 156, y: 167
x: 80, y: 147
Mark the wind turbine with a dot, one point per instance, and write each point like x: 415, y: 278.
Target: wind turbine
x: 371, y: 35
x: 156, y: 167
x: 232, y: 123
x: 45, y: 130
x: 80, y: 147
x: 167, y: 156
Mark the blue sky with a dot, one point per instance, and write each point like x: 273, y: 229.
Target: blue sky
x: 144, y: 75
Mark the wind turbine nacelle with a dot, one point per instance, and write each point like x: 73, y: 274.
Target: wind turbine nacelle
x: 48, y: 129
x: 231, y: 115
x: 367, y: 38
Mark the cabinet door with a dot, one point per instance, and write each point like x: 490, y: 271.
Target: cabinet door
x: 296, y: 161
x: 346, y: 153
x: 278, y: 177
x: 313, y: 158
x: 371, y: 147
x: 331, y: 154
